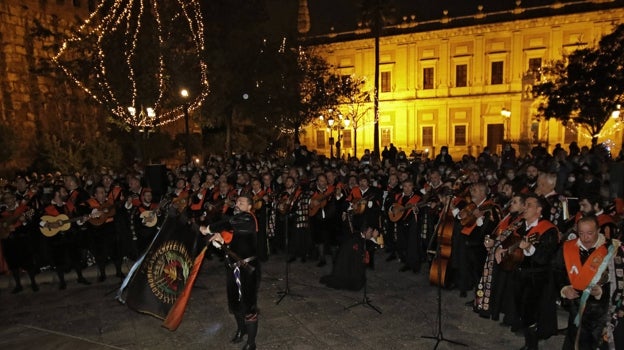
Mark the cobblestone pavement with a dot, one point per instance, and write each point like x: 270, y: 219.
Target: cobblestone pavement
x: 88, y: 317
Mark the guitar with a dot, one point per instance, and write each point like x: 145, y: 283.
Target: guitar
x: 359, y: 206
x: 318, y: 201
x: 59, y: 223
x: 6, y: 223
x: 103, y: 213
x: 180, y: 202
x: 396, y: 211
x: 286, y: 201
x: 514, y: 256
x: 212, y: 209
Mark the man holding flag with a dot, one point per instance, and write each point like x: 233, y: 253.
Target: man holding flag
x: 237, y: 236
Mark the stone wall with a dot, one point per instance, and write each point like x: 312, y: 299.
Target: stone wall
x: 30, y: 33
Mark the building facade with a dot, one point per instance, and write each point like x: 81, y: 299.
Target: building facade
x: 464, y: 82
x: 32, y: 100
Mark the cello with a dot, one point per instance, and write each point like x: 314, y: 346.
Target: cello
x: 443, y: 235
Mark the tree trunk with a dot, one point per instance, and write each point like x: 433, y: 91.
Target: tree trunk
x: 355, y: 142
x: 228, y: 132
x: 296, y: 136
x: 594, y: 141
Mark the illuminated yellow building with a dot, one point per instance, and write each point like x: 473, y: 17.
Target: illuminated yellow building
x: 462, y: 81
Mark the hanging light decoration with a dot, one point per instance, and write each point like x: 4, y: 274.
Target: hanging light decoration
x: 151, y: 46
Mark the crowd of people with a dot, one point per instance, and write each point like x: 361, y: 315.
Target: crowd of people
x: 520, y: 236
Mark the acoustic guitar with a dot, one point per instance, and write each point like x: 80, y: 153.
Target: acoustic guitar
x: 58, y: 223
x: 102, y: 214
x: 6, y: 223
x: 359, y: 206
x: 396, y: 211
x: 318, y: 202
x: 514, y: 256
x: 216, y: 208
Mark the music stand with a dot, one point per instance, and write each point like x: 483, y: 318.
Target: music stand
x: 439, y: 337
x: 365, y: 299
x: 286, y: 291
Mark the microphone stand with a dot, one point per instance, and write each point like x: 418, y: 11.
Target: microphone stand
x: 439, y: 337
x: 365, y: 299
x: 286, y: 291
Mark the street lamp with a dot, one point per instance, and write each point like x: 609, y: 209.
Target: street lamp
x: 185, y: 94
x: 505, y: 113
x: 616, y: 112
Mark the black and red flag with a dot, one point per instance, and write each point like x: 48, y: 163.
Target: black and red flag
x: 160, y: 282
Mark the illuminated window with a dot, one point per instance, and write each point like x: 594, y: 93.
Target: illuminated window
x: 461, y: 75
x: 571, y: 135
x: 385, y: 137
x: 497, y: 72
x: 386, y: 82
x: 428, y: 78
x: 346, y: 138
x: 320, y: 139
x: 535, y: 67
x: 427, y: 136
x: 460, y: 135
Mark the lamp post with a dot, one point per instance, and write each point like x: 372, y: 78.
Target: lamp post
x: 330, y: 122
x: 184, y: 93
x: 137, y: 146
x: 505, y: 113
x: 344, y: 123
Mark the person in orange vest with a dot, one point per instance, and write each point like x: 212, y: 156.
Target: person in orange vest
x: 408, y: 234
x: 16, y: 237
x: 581, y: 273
x: 104, y: 238
x: 477, y: 219
x: 146, y: 220
x: 64, y: 245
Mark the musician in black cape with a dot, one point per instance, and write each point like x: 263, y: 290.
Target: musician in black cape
x: 352, y: 258
x: 238, y: 234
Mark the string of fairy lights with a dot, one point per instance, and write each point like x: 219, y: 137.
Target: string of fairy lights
x: 127, y: 18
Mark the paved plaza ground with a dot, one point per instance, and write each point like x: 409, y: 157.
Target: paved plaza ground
x: 88, y: 317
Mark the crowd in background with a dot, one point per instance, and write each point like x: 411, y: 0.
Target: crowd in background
x: 499, y: 224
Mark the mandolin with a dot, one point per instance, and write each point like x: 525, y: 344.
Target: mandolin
x: 149, y: 218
